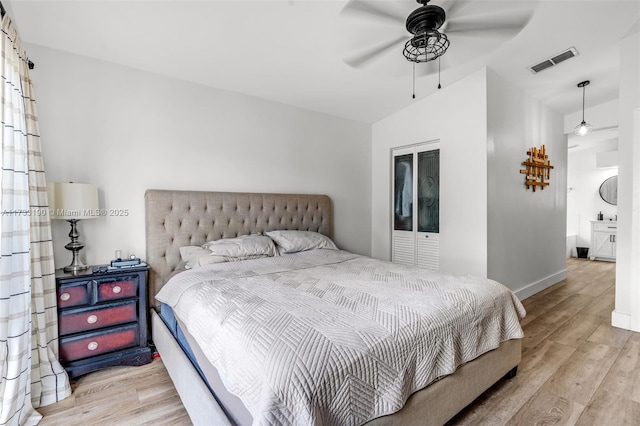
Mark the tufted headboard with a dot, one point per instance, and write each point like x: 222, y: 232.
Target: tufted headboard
x: 190, y: 218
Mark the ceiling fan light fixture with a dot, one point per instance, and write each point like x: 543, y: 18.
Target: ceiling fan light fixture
x: 583, y: 128
x: 426, y: 46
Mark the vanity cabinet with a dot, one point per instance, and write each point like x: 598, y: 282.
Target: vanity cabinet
x: 603, y: 240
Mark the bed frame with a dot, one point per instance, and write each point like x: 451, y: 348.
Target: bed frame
x: 180, y: 218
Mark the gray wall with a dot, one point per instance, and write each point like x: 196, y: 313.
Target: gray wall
x: 526, y: 230
x: 627, y: 312
x: 490, y: 225
x: 456, y: 115
x: 126, y: 131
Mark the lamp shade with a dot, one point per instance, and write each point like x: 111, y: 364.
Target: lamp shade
x: 73, y: 200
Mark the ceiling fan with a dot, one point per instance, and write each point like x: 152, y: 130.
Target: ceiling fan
x: 453, y: 33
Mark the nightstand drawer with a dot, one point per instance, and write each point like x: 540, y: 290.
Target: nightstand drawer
x: 75, y: 321
x: 117, y: 289
x: 74, y: 295
x: 75, y: 348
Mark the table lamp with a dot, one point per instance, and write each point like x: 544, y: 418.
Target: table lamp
x: 73, y: 202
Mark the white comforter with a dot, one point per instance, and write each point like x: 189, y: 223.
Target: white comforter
x: 329, y: 337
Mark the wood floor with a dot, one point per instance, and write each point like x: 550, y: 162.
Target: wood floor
x: 120, y: 396
x: 575, y: 369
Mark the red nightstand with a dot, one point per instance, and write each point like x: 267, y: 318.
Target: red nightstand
x: 102, y: 319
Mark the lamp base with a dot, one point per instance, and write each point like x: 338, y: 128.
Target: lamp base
x: 74, y: 246
x: 74, y: 269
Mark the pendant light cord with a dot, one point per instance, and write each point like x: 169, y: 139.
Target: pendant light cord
x: 583, y: 89
x: 583, y: 128
x: 439, y: 86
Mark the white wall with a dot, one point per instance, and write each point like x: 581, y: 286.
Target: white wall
x: 526, y: 230
x: 583, y: 196
x: 456, y: 115
x: 490, y: 225
x: 127, y: 131
x: 627, y: 310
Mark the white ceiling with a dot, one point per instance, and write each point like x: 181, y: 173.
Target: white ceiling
x: 293, y: 51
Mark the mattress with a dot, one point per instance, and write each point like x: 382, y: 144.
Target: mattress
x: 328, y: 337
x: 232, y: 405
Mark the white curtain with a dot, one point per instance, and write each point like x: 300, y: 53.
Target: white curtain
x: 31, y: 376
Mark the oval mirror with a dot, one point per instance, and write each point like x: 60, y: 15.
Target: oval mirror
x: 609, y: 190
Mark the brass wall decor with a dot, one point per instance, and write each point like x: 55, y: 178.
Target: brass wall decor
x: 537, y: 168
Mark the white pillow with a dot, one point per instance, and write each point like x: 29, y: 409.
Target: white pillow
x: 243, y: 247
x: 295, y: 241
x: 194, y: 256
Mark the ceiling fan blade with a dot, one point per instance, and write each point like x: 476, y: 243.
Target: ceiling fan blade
x: 481, y: 29
x: 513, y: 20
x: 371, y: 9
x: 361, y: 59
x: 454, y: 7
x: 476, y: 30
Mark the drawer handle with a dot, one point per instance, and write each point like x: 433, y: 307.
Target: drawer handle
x: 65, y: 296
x: 92, y: 319
x: 92, y: 346
x: 117, y: 289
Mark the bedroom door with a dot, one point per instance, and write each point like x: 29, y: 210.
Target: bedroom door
x: 416, y: 205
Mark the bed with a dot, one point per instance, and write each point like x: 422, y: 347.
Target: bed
x: 191, y: 218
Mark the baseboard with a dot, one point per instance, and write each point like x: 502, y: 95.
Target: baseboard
x: 620, y: 320
x: 538, y: 286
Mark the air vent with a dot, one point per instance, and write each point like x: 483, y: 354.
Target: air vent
x: 555, y: 60
x: 542, y: 66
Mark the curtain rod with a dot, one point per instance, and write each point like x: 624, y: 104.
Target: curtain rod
x: 2, y: 13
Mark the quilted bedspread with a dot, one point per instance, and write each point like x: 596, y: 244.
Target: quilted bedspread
x: 328, y: 337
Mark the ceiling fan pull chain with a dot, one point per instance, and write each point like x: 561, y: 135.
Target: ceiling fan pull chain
x: 414, y: 80
x: 439, y: 86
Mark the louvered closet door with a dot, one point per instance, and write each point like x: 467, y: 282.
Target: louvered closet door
x: 428, y: 209
x: 416, y: 205
x: 403, y: 235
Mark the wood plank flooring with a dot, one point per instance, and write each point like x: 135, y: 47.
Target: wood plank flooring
x: 576, y: 370
x: 120, y: 396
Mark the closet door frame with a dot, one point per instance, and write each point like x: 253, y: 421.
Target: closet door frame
x: 413, y: 247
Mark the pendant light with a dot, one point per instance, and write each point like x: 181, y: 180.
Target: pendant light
x: 583, y: 128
